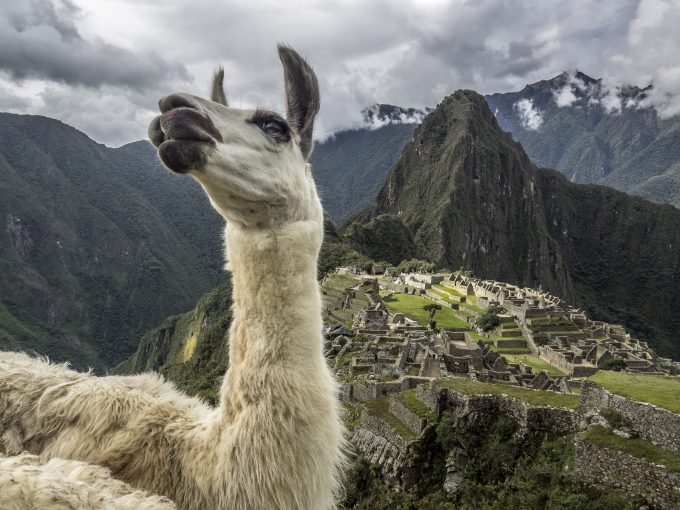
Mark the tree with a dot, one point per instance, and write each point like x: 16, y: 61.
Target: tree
x: 432, y: 308
x: 416, y: 266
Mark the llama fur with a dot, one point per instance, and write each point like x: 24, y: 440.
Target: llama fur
x: 29, y: 483
x: 276, y: 439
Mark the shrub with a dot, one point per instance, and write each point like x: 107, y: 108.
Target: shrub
x: 614, y: 364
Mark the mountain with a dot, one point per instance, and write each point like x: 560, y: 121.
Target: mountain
x: 470, y: 196
x: 97, y: 245
x: 594, y: 133
x: 350, y: 167
x: 190, y: 349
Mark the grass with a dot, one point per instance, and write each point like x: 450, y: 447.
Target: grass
x: 535, y: 397
x: 636, y: 447
x: 412, y: 307
x: 533, y: 362
x: 409, y: 399
x: 663, y: 391
x: 413, y: 370
x: 381, y: 408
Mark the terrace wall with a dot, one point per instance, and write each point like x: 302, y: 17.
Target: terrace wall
x: 658, y: 425
x: 612, y: 468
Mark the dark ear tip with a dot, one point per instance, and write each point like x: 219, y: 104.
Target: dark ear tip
x: 288, y: 55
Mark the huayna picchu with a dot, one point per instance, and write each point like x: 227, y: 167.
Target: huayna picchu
x: 470, y: 197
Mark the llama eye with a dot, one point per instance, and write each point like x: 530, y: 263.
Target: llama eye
x: 272, y: 127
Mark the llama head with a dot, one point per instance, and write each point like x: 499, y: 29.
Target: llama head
x: 252, y: 163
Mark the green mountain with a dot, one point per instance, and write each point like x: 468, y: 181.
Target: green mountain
x: 597, y: 135
x: 469, y: 196
x: 190, y: 349
x: 350, y: 167
x: 97, y: 245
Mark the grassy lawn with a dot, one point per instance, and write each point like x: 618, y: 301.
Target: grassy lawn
x: 412, y: 307
x: 381, y: 408
x: 663, y: 391
x: 535, y: 397
x: 409, y: 399
x: 533, y: 362
x: 635, y: 446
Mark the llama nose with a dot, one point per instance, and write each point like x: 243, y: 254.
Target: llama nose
x: 173, y: 101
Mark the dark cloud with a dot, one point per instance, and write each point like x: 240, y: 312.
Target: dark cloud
x: 37, y: 40
x: 43, y: 12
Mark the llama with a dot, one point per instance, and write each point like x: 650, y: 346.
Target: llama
x: 29, y: 483
x: 276, y: 440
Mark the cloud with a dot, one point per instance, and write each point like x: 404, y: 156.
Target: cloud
x: 84, y: 58
x: 529, y: 117
x: 40, y: 40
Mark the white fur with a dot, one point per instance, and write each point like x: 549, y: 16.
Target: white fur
x: 29, y: 483
x: 276, y: 439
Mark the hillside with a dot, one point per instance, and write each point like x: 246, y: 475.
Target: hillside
x: 191, y: 348
x: 350, y: 167
x: 595, y: 135
x: 470, y: 196
x: 98, y: 245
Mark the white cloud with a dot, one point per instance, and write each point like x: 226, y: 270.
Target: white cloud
x: 565, y: 96
x: 529, y: 117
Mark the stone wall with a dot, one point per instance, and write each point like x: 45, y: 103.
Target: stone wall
x: 371, y: 422
x: 553, y: 420
x: 612, y: 468
x: 408, y: 417
x: 658, y: 425
x: 370, y: 390
x: 379, y: 451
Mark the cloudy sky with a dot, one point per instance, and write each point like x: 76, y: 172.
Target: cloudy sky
x: 101, y: 65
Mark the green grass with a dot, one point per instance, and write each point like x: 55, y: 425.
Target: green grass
x: 412, y: 307
x: 535, y: 397
x: 413, y: 370
x: 663, y: 391
x: 381, y: 408
x: 636, y: 447
x: 533, y: 362
x: 409, y: 399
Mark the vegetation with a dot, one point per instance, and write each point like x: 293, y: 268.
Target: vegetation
x: 660, y: 390
x: 416, y: 266
x: 490, y: 319
x: 616, y: 364
x: 637, y: 447
x: 409, y: 399
x: 534, y: 397
x: 412, y: 307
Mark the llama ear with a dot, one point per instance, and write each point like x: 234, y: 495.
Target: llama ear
x: 217, y: 90
x: 302, y: 95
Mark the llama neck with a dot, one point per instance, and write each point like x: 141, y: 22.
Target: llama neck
x: 276, y: 325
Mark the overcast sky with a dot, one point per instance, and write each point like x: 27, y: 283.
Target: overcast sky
x: 101, y: 65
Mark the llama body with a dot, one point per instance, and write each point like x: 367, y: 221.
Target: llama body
x: 276, y: 439
x: 27, y: 482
